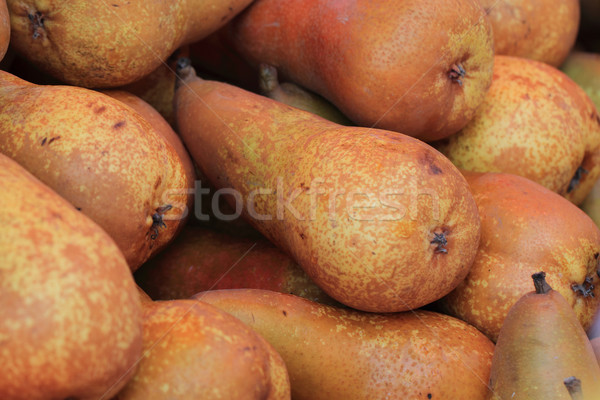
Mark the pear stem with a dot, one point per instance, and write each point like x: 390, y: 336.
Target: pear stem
x: 539, y: 280
x: 574, y: 387
x: 184, y: 71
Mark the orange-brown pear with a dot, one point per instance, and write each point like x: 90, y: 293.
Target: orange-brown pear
x: 4, y: 28
x: 192, y: 350
x: 524, y: 227
x: 542, y: 344
x: 541, y: 30
x: 339, y: 354
x: 70, y: 316
x: 109, y: 44
x: 293, y: 95
x: 102, y: 156
x: 535, y: 122
x: 379, y: 220
x: 419, y: 67
x: 201, y: 259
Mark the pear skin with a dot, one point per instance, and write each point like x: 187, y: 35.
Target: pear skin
x: 200, y: 259
x: 161, y: 126
x: 102, y: 156
x: 158, y: 87
x: 535, y: 122
x: 380, y: 221
x: 541, y: 30
x: 540, y: 345
x: 525, y: 226
x: 293, y: 95
x: 4, y: 29
x: 68, y: 302
x: 109, y: 44
x: 334, y: 353
x: 584, y: 69
x: 193, y: 350
x: 419, y: 67
x: 591, y: 204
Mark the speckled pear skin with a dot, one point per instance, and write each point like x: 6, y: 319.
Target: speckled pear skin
x: 201, y: 259
x: 525, y: 228
x: 584, y: 69
x: 384, y: 64
x: 195, y: 351
x: 535, y: 122
x: 68, y: 302
x: 4, y: 28
x: 381, y: 259
x: 161, y: 126
x: 109, y: 44
x: 540, y: 345
x: 101, y: 156
x: 541, y: 30
x: 333, y: 353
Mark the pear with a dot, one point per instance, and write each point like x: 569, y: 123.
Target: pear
x: 591, y: 204
x: 419, y: 67
x: 540, y: 345
x: 158, y: 87
x: 535, y: 122
x: 161, y: 126
x: 293, y: 95
x: 193, y: 350
x: 201, y: 259
x: 525, y: 227
x: 541, y: 30
x: 70, y: 316
x: 102, y: 156
x: 339, y: 354
x: 380, y: 221
x: 4, y: 29
x: 584, y: 69
x: 109, y: 44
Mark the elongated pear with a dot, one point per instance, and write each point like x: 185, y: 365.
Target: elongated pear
x: 419, y: 67
x: 70, y: 315
x: 379, y: 220
x: 540, y: 345
x: 111, y: 43
x: 101, y: 156
x: 338, y: 354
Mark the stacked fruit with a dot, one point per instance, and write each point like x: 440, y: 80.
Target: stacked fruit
x: 397, y: 220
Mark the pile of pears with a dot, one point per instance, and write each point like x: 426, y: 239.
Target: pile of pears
x: 301, y: 199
